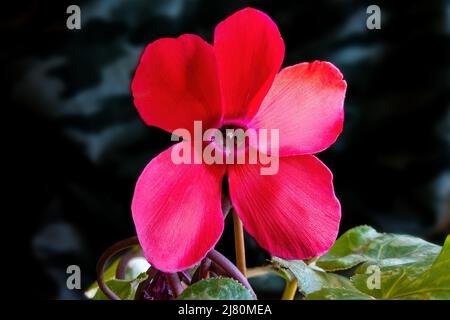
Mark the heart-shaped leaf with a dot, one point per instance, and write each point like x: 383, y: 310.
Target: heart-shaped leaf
x: 365, y: 245
x: 387, y: 266
x: 425, y: 279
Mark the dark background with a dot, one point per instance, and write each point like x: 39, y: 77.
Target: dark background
x: 79, y: 144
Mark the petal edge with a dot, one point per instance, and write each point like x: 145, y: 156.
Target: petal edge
x: 177, y: 211
x: 249, y: 51
x: 306, y: 105
x: 293, y: 214
x: 176, y: 83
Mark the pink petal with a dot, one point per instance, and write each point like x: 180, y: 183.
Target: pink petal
x: 293, y: 214
x: 306, y: 105
x: 177, y: 211
x: 176, y: 83
x: 249, y: 52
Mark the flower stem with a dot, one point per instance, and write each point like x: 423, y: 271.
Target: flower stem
x: 239, y: 244
x: 202, y: 271
x: 258, y: 271
x: 290, y: 289
x: 173, y: 280
x: 104, y: 259
x: 223, y: 266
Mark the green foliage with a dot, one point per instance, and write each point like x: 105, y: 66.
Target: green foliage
x: 216, y: 289
x: 125, y: 289
x: 338, y: 294
x: 363, y: 264
x: 381, y: 266
x: 310, y: 278
x: 364, y: 244
x: 133, y: 272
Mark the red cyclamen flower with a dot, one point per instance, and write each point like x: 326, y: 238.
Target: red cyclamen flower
x: 293, y: 214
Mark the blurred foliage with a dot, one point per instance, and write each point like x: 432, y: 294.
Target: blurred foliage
x: 216, y: 289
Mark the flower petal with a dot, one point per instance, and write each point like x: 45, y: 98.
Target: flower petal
x: 177, y: 211
x: 306, y: 105
x: 249, y: 52
x: 176, y: 83
x: 293, y: 214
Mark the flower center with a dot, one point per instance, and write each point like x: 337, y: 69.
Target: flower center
x: 230, y: 138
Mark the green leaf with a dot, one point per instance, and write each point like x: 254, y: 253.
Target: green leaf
x: 216, y: 289
x: 135, y: 267
x: 365, y: 245
x: 348, y: 250
x: 384, y: 266
x: 125, y: 289
x: 110, y: 273
x: 423, y: 279
x: 338, y: 294
x: 310, y: 278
